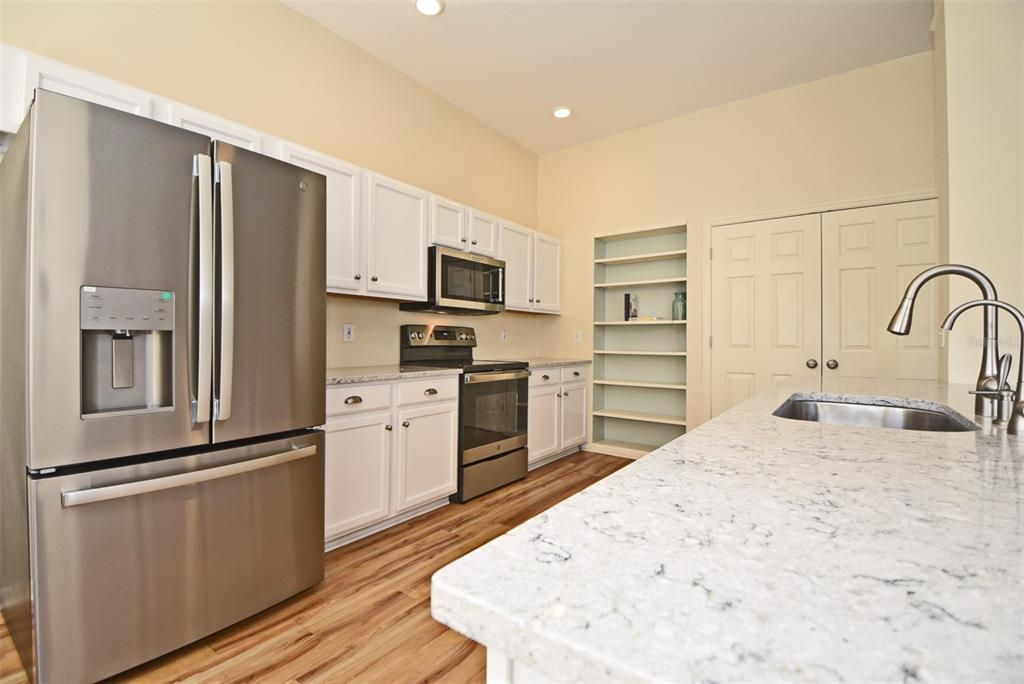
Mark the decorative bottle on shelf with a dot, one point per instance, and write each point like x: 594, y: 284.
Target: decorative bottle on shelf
x: 679, y: 307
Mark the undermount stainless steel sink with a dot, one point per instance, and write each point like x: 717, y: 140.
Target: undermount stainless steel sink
x: 871, y: 415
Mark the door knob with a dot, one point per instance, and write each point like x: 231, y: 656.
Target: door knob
x: 832, y: 364
x: 812, y: 363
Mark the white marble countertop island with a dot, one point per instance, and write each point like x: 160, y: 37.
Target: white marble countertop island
x: 757, y: 548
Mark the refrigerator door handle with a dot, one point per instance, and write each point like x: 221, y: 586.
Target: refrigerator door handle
x: 222, y: 404
x: 203, y: 378
x: 87, y: 496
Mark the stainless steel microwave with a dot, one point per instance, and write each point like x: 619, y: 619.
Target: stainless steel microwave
x: 462, y: 283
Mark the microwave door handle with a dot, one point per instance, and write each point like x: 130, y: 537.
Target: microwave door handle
x: 226, y: 203
x: 202, y: 376
x: 501, y: 285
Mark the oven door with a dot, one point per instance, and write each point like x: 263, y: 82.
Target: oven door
x: 493, y: 410
x: 467, y: 281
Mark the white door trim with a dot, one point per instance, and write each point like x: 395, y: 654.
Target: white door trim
x: 707, y: 264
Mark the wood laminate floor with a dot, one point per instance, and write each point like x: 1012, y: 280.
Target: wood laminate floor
x: 369, y: 620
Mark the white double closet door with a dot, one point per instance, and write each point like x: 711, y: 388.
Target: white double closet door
x: 811, y: 296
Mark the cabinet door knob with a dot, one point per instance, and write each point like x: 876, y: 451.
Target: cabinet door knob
x: 559, y: 395
x: 357, y: 277
x: 430, y: 391
x: 388, y: 428
x: 537, y: 300
x: 473, y: 242
x: 545, y: 377
x: 463, y: 239
x: 373, y: 278
x: 405, y: 423
x: 354, y: 399
x: 832, y: 364
x: 576, y: 374
x: 531, y: 300
x: 565, y: 394
x: 812, y: 363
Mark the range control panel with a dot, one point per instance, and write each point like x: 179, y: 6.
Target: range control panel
x: 118, y: 308
x: 443, y: 335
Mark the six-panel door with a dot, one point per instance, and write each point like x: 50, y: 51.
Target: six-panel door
x: 765, y: 306
x: 425, y: 468
x: 357, y: 472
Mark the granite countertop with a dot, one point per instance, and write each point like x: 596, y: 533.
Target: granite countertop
x: 344, y: 375
x: 546, y: 362
x: 760, y: 548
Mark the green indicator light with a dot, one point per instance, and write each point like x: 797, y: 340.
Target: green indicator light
x: 166, y: 296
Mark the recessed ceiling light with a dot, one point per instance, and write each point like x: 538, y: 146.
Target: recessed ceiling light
x: 430, y: 8
x: 561, y: 112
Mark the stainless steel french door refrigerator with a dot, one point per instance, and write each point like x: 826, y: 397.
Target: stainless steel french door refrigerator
x: 161, y: 376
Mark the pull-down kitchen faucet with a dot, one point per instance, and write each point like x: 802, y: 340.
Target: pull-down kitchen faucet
x: 985, y: 405
x: 1015, y: 419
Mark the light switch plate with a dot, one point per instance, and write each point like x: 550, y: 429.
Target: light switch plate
x: 578, y: 337
x: 348, y: 332
x: 504, y: 336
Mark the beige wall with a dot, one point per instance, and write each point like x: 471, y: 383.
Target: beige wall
x: 266, y: 66
x: 982, y: 172
x: 863, y: 134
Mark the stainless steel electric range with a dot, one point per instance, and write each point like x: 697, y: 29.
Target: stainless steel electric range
x: 493, y: 407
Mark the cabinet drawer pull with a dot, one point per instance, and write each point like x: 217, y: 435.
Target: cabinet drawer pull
x: 430, y: 391
x: 405, y: 423
x: 388, y: 428
x: 545, y: 377
x: 576, y: 374
x: 354, y: 399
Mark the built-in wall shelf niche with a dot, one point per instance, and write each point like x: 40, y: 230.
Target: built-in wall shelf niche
x: 639, y: 365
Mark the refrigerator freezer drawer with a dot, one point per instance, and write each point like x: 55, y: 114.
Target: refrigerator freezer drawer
x: 134, y: 562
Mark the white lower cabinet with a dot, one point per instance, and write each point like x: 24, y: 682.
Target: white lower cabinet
x: 558, y: 412
x: 391, y: 448
x: 426, y: 441
x: 357, y: 472
x: 542, y: 426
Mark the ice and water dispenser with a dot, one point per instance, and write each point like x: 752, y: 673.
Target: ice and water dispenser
x: 127, y: 350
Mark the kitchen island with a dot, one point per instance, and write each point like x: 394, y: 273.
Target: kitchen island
x: 762, y: 548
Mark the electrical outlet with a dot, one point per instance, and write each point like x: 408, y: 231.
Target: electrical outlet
x: 578, y: 337
x: 504, y: 336
x: 348, y: 332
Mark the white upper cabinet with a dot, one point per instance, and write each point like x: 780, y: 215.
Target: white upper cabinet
x: 483, y: 233
x: 447, y: 223
x: 210, y: 125
x: 346, y: 256
x: 547, y: 272
x: 397, y: 219
x: 517, y: 253
x: 21, y: 73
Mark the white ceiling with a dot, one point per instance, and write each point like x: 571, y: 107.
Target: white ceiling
x: 619, y: 64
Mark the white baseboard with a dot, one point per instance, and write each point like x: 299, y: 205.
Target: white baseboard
x: 554, y: 457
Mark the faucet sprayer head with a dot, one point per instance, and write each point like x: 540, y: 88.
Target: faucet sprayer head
x: 903, y: 318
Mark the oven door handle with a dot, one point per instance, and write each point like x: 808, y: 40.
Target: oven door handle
x: 473, y: 378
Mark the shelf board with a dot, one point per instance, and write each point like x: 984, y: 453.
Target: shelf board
x: 636, y: 383
x: 639, y: 353
x: 665, y: 322
x: 615, y: 447
x: 637, y: 283
x: 640, y: 416
x: 641, y: 258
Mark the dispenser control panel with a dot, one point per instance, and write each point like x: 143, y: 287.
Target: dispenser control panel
x: 118, y: 308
